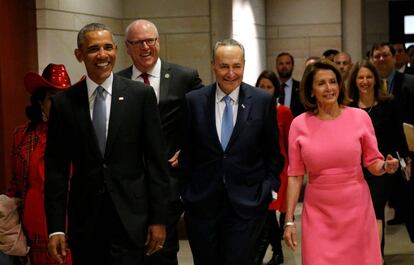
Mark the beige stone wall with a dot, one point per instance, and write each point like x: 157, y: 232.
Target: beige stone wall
x: 184, y: 28
x: 189, y: 29
x: 58, y: 22
x: 303, y: 28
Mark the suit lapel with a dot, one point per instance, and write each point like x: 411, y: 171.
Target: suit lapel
x: 211, y: 113
x: 165, y: 78
x: 243, y: 111
x: 118, y: 100
x: 82, y: 113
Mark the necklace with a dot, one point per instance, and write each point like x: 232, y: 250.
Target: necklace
x: 368, y: 110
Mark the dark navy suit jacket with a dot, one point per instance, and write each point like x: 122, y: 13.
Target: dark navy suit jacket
x: 247, y: 171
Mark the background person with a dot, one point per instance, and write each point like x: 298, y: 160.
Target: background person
x: 28, y: 153
x: 272, y: 231
x: 366, y: 93
x: 170, y: 83
x: 329, y: 142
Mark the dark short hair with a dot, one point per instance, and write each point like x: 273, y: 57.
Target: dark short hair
x: 266, y: 74
x: 353, y: 91
x: 285, y: 54
x: 330, y: 52
x: 306, y: 85
x: 376, y: 46
x: 91, y: 27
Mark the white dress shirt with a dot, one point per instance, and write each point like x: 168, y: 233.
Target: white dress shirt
x: 220, y: 105
x: 107, y: 85
x: 154, y: 77
x: 288, y: 92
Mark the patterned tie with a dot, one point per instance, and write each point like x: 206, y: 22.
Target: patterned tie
x: 145, y: 77
x: 99, y: 118
x: 226, y: 122
x: 281, y: 99
x: 385, y: 87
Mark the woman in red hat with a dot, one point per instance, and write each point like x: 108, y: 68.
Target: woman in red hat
x: 27, y: 160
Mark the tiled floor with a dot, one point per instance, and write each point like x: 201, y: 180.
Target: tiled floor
x: 398, y: 249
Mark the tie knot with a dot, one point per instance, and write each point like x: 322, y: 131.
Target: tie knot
x: 227, y: 99
x: 144, y: 75
x: 100, y: 91
x: 284, y: 85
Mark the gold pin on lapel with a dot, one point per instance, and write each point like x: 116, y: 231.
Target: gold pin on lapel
x: 167, y: 75
x: 121, y: 98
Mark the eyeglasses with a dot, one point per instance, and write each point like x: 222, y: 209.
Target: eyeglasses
x: 140, y: 43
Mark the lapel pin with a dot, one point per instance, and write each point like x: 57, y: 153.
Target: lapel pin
x: 243, y: 106
x: 167, y: 75
x: 121, y: 98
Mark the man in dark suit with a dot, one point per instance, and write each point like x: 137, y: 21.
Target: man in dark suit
x: 401, y: 86
x: 171, y: 82
x: 290, y: 87
x: 106, y: 130
x: 231, y: 161
x: 402, y: 59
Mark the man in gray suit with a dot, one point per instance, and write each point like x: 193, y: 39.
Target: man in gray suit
x: 170, y: 82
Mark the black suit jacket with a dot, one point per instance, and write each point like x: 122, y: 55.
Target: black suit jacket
x: 403, y: 91
x: 176, y: 81
x: 247, y: 170
x: 296, y: 105
x: 134, y: 138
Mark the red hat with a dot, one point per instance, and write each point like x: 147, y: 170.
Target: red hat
x: 54, y: 76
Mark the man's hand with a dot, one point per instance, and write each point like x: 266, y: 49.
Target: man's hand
x: 57, y: 247
x: 174, y: 159
x: 155, y: 238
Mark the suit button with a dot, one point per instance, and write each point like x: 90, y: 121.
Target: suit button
x: 225, y: 156
x: 104, y: 165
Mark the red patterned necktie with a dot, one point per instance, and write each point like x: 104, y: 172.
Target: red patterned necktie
x: 145, y: 77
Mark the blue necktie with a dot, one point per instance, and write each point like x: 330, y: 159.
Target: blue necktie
x: 99, y: 118
x: 226, y: 122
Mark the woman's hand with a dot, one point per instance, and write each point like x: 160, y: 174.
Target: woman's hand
x: 290, y: 236
x: 390, y: 164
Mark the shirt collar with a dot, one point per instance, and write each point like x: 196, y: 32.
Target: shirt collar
x: 154, y: 72
x: 234, y: 95
x: 289, y: 83
x: 107, y: 85
x: 390, y: 78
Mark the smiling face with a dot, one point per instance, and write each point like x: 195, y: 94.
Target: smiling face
x: 267, y: 86
x: 98, y: 52
x: 365, y: 81
x: 325, y: 88
x: 143, y: 45
x: 228, y: 67
x: 383, y: 60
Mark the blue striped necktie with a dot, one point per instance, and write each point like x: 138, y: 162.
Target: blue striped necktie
x: 226, y: 122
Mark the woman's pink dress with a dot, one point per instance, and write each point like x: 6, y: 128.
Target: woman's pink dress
x: 338, y: 219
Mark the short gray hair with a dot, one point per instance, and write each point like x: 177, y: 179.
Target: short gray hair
x: 141, y: 21
x: 91, y: 27
x: 227, y: 42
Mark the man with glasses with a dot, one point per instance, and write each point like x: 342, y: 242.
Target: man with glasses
x: 170, y: 82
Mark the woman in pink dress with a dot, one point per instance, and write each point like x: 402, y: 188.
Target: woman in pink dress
x: 331, y: 143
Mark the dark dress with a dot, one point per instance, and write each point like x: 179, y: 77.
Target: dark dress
x: 390, y: 136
